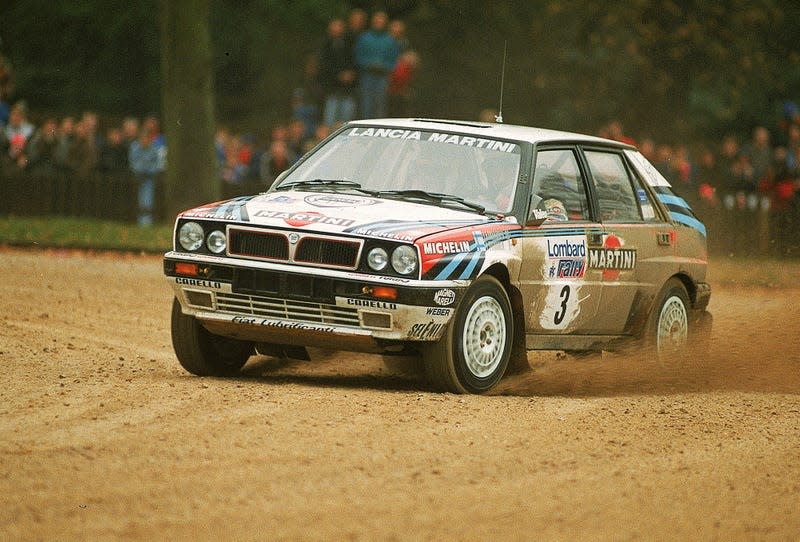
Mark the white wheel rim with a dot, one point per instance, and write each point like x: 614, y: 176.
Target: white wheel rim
x: 673, y: 325
x: 484, y: 337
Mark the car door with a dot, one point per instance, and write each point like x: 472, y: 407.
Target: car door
x: 635, y: 241
x: 561, y: 293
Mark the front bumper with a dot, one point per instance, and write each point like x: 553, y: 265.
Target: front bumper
x: 285, y: 304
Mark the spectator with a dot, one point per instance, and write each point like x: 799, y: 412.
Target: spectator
x: 17, y: 132
x: 146, y: 164
x: 274, y: 162
x: 234, y: 170
x: 397, y: 29
x: 43, y: 147
x: 616, y: 132
x: 376, y: 55
x: 338, y: 75
x: 356, y: 24
x: 759, y: 154
x: 81, y: 162
x: 399, y: 91
x: 6, y: 89
x: 130, y: 131
x: 295, y: 139
x: 306, y: 99
x: 66, y: 133
x: 114, y: 154
x: 682, y: 174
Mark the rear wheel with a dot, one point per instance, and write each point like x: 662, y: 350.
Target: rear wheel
x: 473, y: 354
x: 668, y: 326
x: 202, y: 353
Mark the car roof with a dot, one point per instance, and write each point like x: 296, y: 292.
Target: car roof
x: 495, y: 130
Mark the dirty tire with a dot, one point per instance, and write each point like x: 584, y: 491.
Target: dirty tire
x: 203, y: 353
x: 667, y: 332
x: 472, y: 355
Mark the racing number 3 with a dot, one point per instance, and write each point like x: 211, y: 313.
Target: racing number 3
x: 562, y: 312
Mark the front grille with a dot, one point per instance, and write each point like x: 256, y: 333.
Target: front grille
x: 327, y: 252
x: 255, y: 244
x: 283, y: 309
x: 311, y: 249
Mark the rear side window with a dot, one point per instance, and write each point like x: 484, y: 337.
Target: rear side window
x: 615, y: 192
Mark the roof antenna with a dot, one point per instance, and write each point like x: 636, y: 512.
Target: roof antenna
x: 499, y: 117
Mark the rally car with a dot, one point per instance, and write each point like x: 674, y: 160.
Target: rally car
x: 465, y: 244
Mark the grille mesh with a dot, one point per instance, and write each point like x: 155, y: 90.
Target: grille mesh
x: 273, y: 246
x: 327, y: 252
x: 270, y: 245
x: 283, y: 309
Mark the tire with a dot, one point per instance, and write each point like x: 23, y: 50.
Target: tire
x: 473, y: 354
x: 202, y: 353
x: 667, y: 333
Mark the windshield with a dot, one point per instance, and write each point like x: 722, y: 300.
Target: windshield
x: 392, y: 160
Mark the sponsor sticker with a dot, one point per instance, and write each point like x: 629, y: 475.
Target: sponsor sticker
x: 338, y: 200
x: 565, y: 257
x: 612, y: 258
x: 299, y: 219
x: 425, y: 331
x: 444, y: 297
x: 452, y: 139
x: 372, y: 304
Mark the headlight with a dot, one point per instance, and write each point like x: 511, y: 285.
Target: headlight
x: 404, y: 260
x: 377, y: 259
x: 216, y: 242
x: 190, y: 236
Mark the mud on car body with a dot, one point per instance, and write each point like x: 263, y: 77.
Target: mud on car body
x: 464, y: 244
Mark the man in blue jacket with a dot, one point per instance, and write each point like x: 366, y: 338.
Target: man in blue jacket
x: 376, y: 55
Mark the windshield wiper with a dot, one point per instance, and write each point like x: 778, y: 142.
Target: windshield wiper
x: 311, y: 183
x: 433, y: 197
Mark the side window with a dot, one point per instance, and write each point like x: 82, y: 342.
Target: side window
x: 557, y: 181
x: 645, y: 204
x: 615, y: 194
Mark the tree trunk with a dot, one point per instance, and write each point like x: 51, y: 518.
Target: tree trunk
x: 187, y: 98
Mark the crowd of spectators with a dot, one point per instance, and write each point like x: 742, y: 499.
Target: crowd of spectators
x: 747, y: 192
x: 364, y: 67
x: 359, y: 70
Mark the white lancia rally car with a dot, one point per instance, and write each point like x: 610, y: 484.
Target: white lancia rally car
x: 462, y: 244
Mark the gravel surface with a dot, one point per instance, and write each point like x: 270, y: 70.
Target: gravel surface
x: 104, y: 436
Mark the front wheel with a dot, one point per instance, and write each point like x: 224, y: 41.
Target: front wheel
x: 473, y: 354
x: 201, y: 352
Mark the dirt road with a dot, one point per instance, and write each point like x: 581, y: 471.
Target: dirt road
x: 104, y: 436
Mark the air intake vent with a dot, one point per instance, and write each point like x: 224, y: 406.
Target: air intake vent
x: 328, y: 252
x: 253, y: 244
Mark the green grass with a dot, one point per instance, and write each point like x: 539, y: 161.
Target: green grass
x: 83, y: 233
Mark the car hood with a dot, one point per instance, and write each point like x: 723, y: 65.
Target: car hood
x: 342, y: 213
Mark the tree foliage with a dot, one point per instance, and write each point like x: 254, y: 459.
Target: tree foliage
x: 668, y: 68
